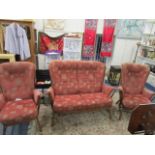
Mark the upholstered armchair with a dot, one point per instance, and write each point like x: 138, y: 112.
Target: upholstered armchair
x: 132, y: 91
x: 18, y: 98
x: 78, y: 85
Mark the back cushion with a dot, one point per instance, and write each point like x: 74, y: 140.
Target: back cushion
x: 90, y: 76
x: 64, y: 77
x: 73, y: 77
x: 134, y: 77
x: 17, y: 80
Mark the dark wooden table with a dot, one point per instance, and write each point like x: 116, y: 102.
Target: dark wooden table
x: 142, y: 119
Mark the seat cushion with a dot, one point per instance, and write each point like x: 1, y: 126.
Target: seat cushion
x: 131, y: 101
x: 67, y: 102
x: 82, y: 101
x: 96, y: 100
x: 18, y: 111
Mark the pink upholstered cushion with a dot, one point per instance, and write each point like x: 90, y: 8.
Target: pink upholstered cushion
x: 82, y: 101
x: 18, y: 111
x: 64, y: 77
x: 17, y: 80
x: 74, y: 77
x: 67, y: 102
x: 134, y: 77
x: 90, y: 76
x: 131, y: 101
x: 96, y: 100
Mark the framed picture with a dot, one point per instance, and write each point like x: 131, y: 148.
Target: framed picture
x: 130, y: 28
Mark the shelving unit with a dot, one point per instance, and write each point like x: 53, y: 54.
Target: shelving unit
x: 142, y: 58
x: 145, y: 53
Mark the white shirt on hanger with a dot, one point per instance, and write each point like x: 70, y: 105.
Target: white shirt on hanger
x: 16, y: 41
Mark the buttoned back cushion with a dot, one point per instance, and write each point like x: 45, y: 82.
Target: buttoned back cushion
x: 64, y: 77
x: 90, y: 76
x: 17, y: 80
x: 134, y: 77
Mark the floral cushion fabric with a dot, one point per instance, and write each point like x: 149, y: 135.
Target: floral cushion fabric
x: 131, y: 101
x: 82, y: 101
x: 90, y: 76
x: 133, y: 78
x: 64, y: 77
x: 74, y: 77
x: 18, y: 111
x: 17, y: 80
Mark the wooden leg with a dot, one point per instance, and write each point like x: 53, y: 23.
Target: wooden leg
x: 38, y: 123
x: 4, y: 129
x: 120, y: 114
x: 53, y: 119
x: 120, y: 111
x: 110, y: 114
x: 118, y: 102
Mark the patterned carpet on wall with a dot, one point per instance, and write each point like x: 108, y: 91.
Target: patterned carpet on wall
x: 81, y: 123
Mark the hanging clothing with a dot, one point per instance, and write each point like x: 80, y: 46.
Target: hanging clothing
x: 16, y: 41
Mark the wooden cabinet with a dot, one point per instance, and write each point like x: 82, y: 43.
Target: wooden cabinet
x: 28, y: 25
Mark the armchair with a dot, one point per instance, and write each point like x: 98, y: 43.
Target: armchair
x: 18, y: 99
x: 132, y: 92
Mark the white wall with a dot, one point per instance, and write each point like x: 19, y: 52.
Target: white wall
x: 124, y: 49
x: 71, y: 25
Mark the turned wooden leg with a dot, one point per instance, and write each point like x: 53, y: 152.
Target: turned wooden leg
x: 120, y: 112
x: 38, y: 123
x: 110, y: 113
x: 53, y: 119
x: 118, y: 102
x: 4, y: 129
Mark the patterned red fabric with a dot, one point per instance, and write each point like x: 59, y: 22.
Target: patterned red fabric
x: 149, y: 94
x: 133, y: 78
x: 17, y: 80
x: 108, y: 90
x: 67, y: 102
x: 131, y: 101
x: 96, y: 100
x: 37, y: 95
x: 64, y: 77
x: 78, y: 85
x: 18, y: 111
x: 17, y: 84
x: 79, y: 102
x: 73, y: 77
x: 90, y: 76
x: 2, y: 101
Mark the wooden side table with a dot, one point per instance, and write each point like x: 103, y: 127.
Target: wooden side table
x: 142, y: 119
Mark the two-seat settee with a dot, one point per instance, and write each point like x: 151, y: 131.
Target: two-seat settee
x: 78, y: 85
